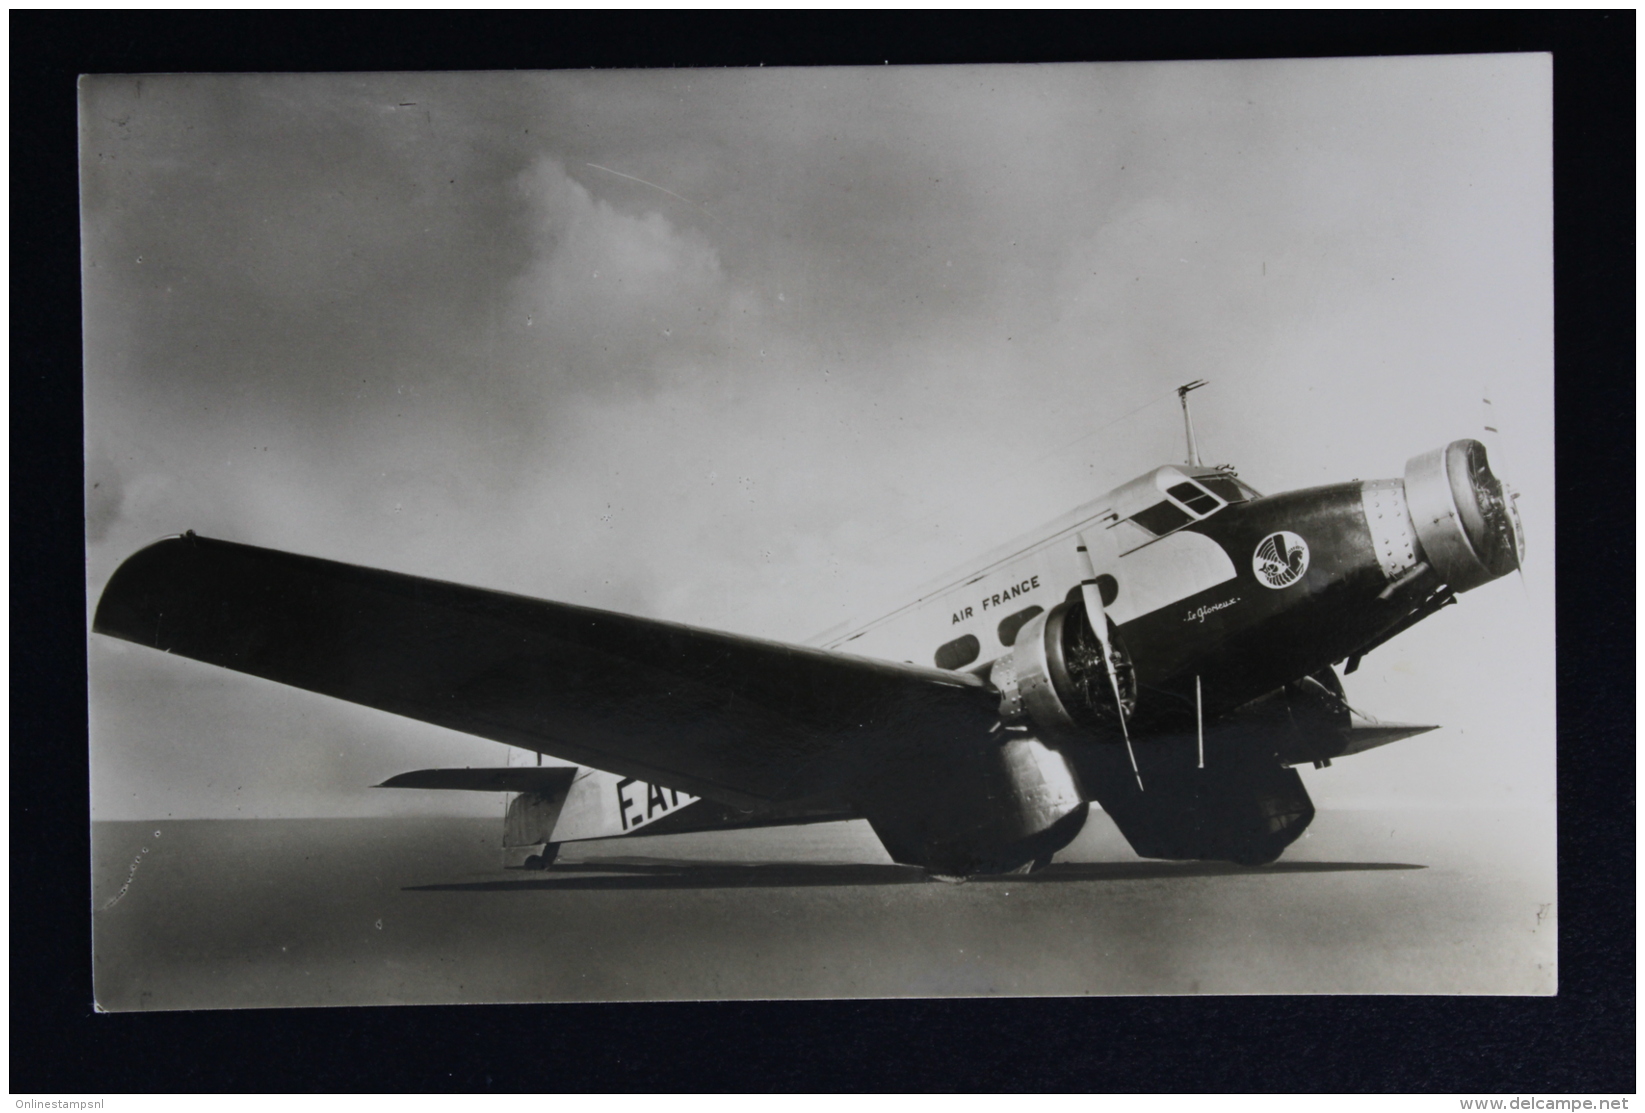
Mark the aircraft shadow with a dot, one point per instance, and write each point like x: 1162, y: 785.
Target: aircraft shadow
x: 1149, y: 870
x: 643, y: 873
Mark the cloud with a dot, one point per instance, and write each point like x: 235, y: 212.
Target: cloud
x: 612, y: 300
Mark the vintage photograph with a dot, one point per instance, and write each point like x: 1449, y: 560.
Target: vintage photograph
x: 918, y: 531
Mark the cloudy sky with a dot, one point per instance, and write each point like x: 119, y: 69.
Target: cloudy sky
x: 762, y: 349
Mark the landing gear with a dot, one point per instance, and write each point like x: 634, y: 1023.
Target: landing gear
x: 542, y: 861
x: 1031, y: 867
x: 961, y: 878
x: 531, y: 858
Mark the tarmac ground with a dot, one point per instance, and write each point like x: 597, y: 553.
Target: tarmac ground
x: 257, y: 913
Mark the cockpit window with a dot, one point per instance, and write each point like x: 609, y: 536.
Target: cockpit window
x: 1194, y: 497
x: 1185, y: 501
x: 1226, y: 488
x: 1161, y: 518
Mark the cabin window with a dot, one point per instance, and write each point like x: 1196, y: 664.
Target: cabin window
x: 1011, y: 624
x: 1161, y: 518
x: 1226, y: 488
x: 959, y: 652
x: 1194, y: 497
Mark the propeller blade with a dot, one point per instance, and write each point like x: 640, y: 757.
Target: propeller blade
x: 1096, y: 616
x: 1199, y: 720
x: 1496, y: 444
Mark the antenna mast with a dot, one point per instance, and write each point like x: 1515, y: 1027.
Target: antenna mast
x: 1188, y: 420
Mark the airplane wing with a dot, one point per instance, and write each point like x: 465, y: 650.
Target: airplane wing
x: 731, y: 718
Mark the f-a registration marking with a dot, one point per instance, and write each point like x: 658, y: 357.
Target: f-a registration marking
x: 638, y: 806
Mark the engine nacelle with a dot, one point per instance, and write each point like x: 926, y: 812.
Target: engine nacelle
x: 1054, y: 677
x: 1464, y: 518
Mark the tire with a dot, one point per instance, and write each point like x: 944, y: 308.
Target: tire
x: 544, y: 860
x: 1034, y: 866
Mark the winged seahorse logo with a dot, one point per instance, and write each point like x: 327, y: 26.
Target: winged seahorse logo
x: 1281, y: 559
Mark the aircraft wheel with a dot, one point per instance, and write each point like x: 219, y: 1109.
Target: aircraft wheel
x: 1030, y: 867
x: 544, y: 860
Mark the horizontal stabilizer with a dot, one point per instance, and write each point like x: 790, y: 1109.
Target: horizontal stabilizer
x: 550, y: 779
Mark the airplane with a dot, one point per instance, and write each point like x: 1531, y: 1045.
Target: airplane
x: 1166, y: 651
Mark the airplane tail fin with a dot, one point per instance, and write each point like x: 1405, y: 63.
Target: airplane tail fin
x: 528, y: 828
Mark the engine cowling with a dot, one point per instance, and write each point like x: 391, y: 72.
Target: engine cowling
x: 1464, y: 517
x: 1054, y: 677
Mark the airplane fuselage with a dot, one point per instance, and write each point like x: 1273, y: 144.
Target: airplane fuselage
x: 1215, y: 588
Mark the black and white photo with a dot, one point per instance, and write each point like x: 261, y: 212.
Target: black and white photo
x: 837, y: 532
